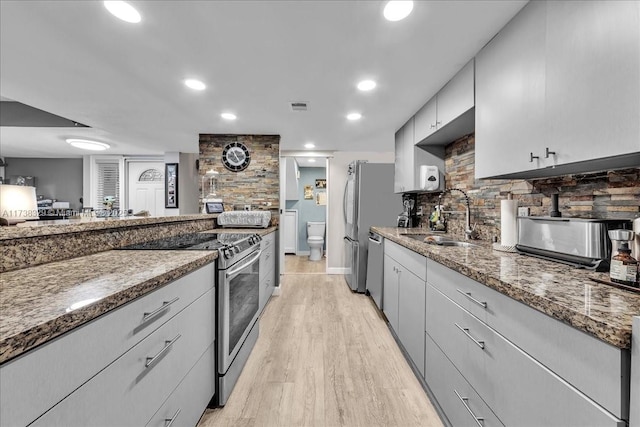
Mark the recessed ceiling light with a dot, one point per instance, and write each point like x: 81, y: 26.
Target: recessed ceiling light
x: 195, y: 84
x: 354, y: 116
x: 123, y: 10
x: 228, y: 116
x: 85, y: 144
x: 309, y: 145
x: 396, y: 10
x: 365, y: 85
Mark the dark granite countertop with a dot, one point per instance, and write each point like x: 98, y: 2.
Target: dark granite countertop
x: 35, y: 302
x: 565, y: 293
x: 48, y: 228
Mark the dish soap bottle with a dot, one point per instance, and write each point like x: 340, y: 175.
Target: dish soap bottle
x: 624, y: 267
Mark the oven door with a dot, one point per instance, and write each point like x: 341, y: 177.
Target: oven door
x: 238, y: 306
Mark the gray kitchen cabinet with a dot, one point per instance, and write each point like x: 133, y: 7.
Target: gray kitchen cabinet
x: 508, y: 358
x: 411, y: 295
x: 35, y: 382
x: 448, y: 115
x: 129, y: 391
x: 390, y: 291
x: 409, y: 157
x: 592, y: 79
x: 184, y: 406
x: 510, y: 101
x: 405, y: 271
x: 267, y: 269
x: 552, y: 343
x: 426, y: 120
x: 458, y: 400
x: 558, y: 91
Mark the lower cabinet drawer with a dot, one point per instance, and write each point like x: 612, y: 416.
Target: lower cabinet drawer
x: 130, y: 390
x: 460, y: 403
x: 189, y: 400
x: 36, y: 381
x: 518, y: 388
x: 602, y: 368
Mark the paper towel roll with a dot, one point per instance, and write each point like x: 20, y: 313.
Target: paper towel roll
x: 508, y: 222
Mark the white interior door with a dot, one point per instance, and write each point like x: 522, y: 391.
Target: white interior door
x: 146, y: 187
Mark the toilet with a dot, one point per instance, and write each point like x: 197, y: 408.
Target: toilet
x: 315, y: 240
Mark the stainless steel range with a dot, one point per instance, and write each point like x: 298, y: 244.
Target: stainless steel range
x: 237, y: 297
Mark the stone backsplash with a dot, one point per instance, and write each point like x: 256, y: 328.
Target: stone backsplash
x: 608, y: 194
x: 258, y: 185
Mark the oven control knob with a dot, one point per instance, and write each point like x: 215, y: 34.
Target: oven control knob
x: 236, y: 249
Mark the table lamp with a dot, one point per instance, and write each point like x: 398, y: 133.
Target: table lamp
x: 18, y: 203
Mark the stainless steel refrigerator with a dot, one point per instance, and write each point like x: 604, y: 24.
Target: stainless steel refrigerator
x: 369, y: 200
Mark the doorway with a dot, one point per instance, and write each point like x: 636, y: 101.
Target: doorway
x: 305, y: 203
x: 145, y: 187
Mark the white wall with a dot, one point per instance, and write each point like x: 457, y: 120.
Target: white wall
x: 336, y: 180
x: 187, y: 183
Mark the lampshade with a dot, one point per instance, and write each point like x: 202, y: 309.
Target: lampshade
x: 18, y: 203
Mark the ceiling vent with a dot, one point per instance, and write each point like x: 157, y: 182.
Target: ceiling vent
x: 299, y: 106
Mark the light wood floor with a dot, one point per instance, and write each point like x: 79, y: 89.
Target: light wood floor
x: 324, y: 358
x: 294, y: 264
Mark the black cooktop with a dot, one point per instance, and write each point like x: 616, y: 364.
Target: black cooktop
x: 191, y: 241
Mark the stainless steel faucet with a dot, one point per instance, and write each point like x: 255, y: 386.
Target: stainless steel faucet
x: 469, y: 232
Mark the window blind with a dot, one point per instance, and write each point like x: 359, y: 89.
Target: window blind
x: 108, y: 184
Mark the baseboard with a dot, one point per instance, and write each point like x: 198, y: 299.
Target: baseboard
x: 276, y: 291
x: 301, y: 253
x: 337, y: 270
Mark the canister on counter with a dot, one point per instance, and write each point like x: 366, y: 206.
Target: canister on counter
x: 624, y: 267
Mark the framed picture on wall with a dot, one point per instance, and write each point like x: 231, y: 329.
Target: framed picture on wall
x: 308, y: 192
x: 321, y: 183
x: 171, y: 185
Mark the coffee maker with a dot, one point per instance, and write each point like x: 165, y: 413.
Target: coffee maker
x: 408, y: 218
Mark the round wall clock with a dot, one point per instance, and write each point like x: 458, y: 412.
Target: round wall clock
x: 236, y: 157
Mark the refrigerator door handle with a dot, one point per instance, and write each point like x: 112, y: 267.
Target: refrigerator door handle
x: 344, y: 201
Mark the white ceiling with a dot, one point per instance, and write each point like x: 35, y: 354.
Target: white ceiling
x: 75, y: 60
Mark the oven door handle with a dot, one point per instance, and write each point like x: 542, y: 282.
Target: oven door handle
x: 236, y: 270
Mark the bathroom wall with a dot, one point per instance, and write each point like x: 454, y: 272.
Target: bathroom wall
x: 308, y: 210
x: 258, y: 185
x: 608, y: 194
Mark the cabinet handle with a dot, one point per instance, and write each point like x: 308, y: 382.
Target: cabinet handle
x: 438, y: 123
x: 479, y: 420
x: 466, y: 332
x: 547, y: 153
x: 169, y: 421
x: 531, y: 157
x: 432, y: 126
x: 164, y: 306
x: 482, y: 304
x: 167, y: 345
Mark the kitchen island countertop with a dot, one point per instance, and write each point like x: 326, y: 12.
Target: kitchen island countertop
x: 40, y: 303
x: 563, y: 292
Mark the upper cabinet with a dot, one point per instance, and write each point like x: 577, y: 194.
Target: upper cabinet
x: 291, y: 179
x: 449, y: 114
x: 558, y: 91
x: 409, y: 158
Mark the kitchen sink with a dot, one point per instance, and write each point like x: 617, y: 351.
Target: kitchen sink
x: 439, y: 240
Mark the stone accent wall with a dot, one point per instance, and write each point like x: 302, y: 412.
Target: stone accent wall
x: 608, y: 194
x: 258, y: 185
